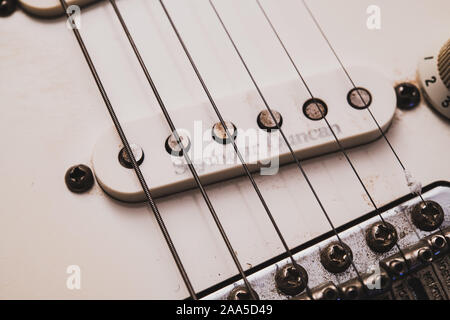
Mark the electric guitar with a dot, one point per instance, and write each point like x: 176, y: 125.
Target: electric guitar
x: 257, y: 149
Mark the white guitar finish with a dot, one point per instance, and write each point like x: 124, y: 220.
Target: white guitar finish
x: 52, y: 116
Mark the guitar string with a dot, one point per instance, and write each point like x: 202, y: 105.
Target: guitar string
x: 354, y: 86
x: 297, y: 160
x: 323, y: 116
x: 230, y: 137
x: 136, y: 168
x: 180, y: 145
x: 365, y: 105
x: 344, y: 69
x: 363, y: 101
x: 132, y: 158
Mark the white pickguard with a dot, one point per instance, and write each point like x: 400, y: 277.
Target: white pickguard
x: 52, y: 115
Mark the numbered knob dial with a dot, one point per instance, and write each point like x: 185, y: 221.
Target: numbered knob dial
x: 434, y: 77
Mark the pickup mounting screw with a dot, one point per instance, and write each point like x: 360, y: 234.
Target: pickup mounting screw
x: 291, y: 280
x: 7, y: 7
x: 241, y: 293
x: 408, y: 96
x: 79, y: 178
x: 381, y: 236
x: 427, y: 215
x: 336, y: 257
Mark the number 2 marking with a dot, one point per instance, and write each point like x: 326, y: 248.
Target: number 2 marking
x: 428, y: 81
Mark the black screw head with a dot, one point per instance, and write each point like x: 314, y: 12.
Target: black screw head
x: 291, y: 279
x: 241, y: 293
x: 408, y: 96
x: 336, y: 257
x: 7, y: 7
x: 381, y: 237
x: 427, y: 215
x: 79, y: 178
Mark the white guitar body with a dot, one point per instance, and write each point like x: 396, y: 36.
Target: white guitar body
x: 52, y: 117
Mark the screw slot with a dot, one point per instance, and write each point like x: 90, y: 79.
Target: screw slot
x: 427, y: 215
x: 336, y: 257
x: 79, y: 178
x: 77, y: 174
x: 381, y: 237
x: 291, y: 280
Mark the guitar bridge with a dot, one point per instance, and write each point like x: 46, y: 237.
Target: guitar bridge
x: 419, y: 271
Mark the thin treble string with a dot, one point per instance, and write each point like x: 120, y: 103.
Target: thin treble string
x: 230, y: 136
x: 354, y: 86
x: 323, y: 116
x: 136, y: 168
x: 281, y: 131
x: 185, y: 154
x: 360, y: 96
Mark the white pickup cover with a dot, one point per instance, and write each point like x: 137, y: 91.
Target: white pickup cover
x: 166, y: 174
